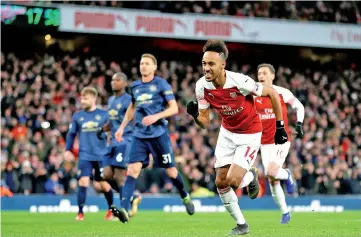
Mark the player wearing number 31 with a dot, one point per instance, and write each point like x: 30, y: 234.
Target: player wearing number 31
x: 239, y: 140
x: 152, y: 101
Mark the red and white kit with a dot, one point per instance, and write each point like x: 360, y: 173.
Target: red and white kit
x: 240, y: 134
x: 269, y: 150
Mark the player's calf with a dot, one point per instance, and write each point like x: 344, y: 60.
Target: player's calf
x: 235, y: 176
x: 81, y: 196
x: 177, y: 181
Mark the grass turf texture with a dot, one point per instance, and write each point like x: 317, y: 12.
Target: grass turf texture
x: 159, y: 224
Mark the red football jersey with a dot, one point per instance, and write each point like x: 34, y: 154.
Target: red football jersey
x: 268, y: 117
x: 234, y: 102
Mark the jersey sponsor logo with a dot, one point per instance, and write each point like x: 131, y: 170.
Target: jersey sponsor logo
x: 90, y: 126
x: 268, y: 114
x: 228, y: 111
x: 144, y: 99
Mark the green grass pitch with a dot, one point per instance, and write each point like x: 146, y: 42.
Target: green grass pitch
x: 160, y: 224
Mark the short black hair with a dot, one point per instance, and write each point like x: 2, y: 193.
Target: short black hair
x: 216, y: 46
x: 120, y: 75
x: 270, y: 66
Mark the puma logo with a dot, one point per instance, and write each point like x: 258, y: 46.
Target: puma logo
x: 259, y: 101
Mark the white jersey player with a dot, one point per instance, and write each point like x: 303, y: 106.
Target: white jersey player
x: 273, y: 156
x: 239, y: 139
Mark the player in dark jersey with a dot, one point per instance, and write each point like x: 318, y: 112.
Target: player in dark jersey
x: 86, y: 123
x: 116, y: 158
x: 152, y: 102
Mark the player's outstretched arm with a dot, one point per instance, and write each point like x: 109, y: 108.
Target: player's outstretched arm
x: 201, y: 116
x: 281, y: 134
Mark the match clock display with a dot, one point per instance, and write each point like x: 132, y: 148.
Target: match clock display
x: 30, y: 16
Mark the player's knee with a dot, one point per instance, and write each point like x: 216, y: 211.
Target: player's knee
x: 271, y: 173
x: 134, y: 170
x: 222, y: 183
x: 233, y: 180
x: 172, y: 172
x: 84, y: 181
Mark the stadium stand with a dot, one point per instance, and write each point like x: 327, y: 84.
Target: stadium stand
x: 41, y: 93
x: 326, y: 11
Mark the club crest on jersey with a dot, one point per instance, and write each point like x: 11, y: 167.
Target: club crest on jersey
x: 152, y: 88
x: 98, y: 117
x: 113, y: 113
x: 81, y: 119
x: 119, y: 106
x: 233, y: 95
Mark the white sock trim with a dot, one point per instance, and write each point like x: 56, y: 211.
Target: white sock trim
x: 230, y: 202
x: 279, y: 197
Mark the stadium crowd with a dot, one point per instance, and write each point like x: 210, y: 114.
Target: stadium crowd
x: 326, y: 11
x: 39, y: 96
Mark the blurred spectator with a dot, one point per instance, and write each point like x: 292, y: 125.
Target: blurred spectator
x: 329, y: 11
x: 198, y: 191
x: 52, y: 186
x: 10, y: 177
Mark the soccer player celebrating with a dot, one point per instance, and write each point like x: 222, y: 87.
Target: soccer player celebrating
x: 150, y: 95
x: 239, y: 139
x: 116, y: 158
x: 274, y: 155
x: 86, y: 124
